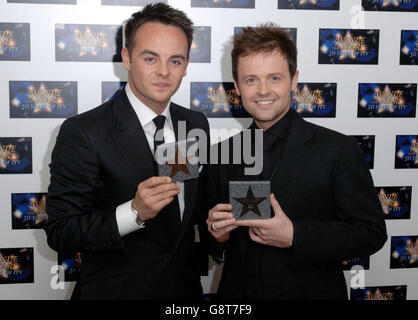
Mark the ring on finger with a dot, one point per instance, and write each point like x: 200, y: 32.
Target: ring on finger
x: 212, y: 226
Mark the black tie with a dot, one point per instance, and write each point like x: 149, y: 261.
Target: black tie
x: 170, y: 215
x: 159, y: 123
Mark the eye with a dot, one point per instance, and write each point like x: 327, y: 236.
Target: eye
x: 176, y: 62
x: 275, y: 78
x: 149, y: 59
x: 250, y: 81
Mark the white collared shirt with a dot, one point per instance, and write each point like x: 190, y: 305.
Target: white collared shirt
x: 124, y: 217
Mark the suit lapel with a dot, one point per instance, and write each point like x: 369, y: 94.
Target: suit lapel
x: 129, y: 137
x: 295, y: 155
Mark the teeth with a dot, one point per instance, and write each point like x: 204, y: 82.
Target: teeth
x: 265, y: 102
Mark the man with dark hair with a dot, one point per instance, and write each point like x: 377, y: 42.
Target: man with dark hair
x: 135, y: 230
x: 325, y: 208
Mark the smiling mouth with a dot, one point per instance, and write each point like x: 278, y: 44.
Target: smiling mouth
x: 264, y: 102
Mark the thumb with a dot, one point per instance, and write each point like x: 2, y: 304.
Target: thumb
x: 276, y: 206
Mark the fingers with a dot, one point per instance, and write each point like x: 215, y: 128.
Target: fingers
x: 219, y: 212
x: 220, y: 221
x: 222, y: 207
x: 154, y: 181
x: 228, y: 229
x: 255, y: 235
x: 161, y: 204
x: 222, y: 229
x: 154, y: 194
x: 275, y: 205
x: 258, y: 223
x: 258, y: 232
x: 162, y: 188
x: 163, y: 195
x: 222, y: 224
x: 221, y: 215
x: 157, y: 188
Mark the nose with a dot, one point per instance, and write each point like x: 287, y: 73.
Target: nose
x: 263, y: 88
x: 163, y: 70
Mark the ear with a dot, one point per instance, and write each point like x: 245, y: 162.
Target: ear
x: 126, y: 59
x: 295, y: 80
x: 237, y: 87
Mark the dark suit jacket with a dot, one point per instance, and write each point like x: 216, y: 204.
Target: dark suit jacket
x: 324, y: 186
x: 98, y: 161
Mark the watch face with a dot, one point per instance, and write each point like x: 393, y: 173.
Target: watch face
x: 139, y: 222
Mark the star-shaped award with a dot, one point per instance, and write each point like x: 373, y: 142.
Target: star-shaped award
x: 248, y: 199
x: 173, y: 163
x: 179, y: 165
x: 250, y: 203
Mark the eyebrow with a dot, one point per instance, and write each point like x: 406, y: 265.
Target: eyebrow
x: 270, y: 74
x: 176, y: 56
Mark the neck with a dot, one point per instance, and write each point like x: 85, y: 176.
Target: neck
x: 157, y: 107
x: 265, y: 125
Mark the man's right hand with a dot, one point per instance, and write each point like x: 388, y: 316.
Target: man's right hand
x: 152, y: 195
x: 220, y: 222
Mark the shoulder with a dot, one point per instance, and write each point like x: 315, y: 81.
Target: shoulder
x: 95, y: 119
x: 328, y: 136
x: 330, y: 144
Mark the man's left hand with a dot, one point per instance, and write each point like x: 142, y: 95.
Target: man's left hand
x: 277, y: 231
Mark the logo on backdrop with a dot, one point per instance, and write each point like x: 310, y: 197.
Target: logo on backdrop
x: 348, y: 46
x: 43, y: 99
x: 88, y: 42
x: 409, y: 47
x: 71, y: 265
x: 216, y: 100
x: 223, y: 3
x: 379, y: 293
x: 68, y: 269
x: 390, y: 5
x: 315, y: 100
x: 406, y: 152
x: 309, y: 4
x: 201, y: 46
x: 366, y: 144
x: 395, y: 201
x: 16, y: 265
x: 15, y: 155
x: 14, y: 41
x: 404, y: 252
x: 28, y: 210
x: 363, y: 262
x: 385, y: 100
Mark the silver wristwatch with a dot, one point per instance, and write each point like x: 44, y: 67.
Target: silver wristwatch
x: 139, y: 222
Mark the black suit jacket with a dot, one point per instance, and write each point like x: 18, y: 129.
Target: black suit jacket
x: 324, y: 186
x: 98, y: 161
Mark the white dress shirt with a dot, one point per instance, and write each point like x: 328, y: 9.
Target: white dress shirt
x: 124, y: 216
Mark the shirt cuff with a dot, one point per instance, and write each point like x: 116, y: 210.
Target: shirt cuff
x: 126, y: 219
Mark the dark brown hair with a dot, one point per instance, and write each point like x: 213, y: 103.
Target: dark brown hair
x: 264, y: 38
x: 161, y: 13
